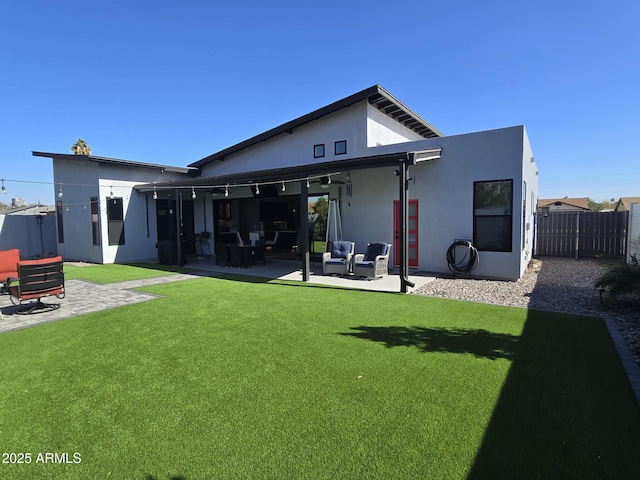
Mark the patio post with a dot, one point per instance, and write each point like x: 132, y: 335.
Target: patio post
x: 304, y: 229
x: 403, y: 175
x: 179, y: 226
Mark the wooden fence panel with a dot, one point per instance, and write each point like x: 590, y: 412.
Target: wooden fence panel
x: 582, y: 234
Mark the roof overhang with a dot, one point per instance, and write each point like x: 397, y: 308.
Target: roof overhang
x: 301, y: 172
x: 113, y: 161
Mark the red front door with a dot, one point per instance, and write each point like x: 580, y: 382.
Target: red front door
x: 412, y: 231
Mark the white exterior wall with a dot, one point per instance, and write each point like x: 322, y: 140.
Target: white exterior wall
x: 383, y: 130
x: 79, y: 182
x: 86, y: 179
x: 444, y: 190
x: 292, y: 149
x: 530, y: 177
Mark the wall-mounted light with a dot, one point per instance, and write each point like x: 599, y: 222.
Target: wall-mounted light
x: 111, y: 192
x: 226, y: 191
x: 193, y: 193
x: 257, y: 189
x: 155, y: 193
x: 307, y: 182
x: 60, y: 191
x: 283, y: 187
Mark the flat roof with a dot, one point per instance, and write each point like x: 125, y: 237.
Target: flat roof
x: 113, y: 161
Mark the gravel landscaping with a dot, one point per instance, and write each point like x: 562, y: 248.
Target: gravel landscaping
x: 553, y: 284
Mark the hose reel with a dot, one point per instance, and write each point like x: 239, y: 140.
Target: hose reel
x: 469, y: 260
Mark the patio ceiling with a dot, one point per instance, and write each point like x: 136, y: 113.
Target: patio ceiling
x: 301, y: 172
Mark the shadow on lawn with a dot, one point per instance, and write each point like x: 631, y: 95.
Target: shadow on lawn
x: 480, y: 343
x: 566, y: 409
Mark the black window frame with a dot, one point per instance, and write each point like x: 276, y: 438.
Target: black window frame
x: 318, y: 150
x: 95, y: 221
x: 115, y: 220
x: 490, y: 242
x: 60, y: 221
x: 340, y: 143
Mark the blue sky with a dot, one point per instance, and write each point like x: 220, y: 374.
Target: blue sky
x: 171, y: 82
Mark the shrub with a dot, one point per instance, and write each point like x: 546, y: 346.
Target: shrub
x: 622, y: 282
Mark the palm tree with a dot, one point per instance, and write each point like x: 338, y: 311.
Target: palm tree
x: 81, y: 148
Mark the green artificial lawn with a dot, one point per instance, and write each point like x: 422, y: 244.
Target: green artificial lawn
x: 232, y: 379
x: 112, y: 273
x: 319, y: 246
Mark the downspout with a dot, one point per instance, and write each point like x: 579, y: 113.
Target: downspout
x: 403, y: 174
x: 304, y: 229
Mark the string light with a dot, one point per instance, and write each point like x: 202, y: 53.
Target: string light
x: 226, y: 187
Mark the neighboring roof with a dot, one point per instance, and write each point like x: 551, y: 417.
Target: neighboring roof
x: 574, y: 202
x: 375, y: 95
x: 114, y: 161
x: 626, y: 202
x: 39, y: 208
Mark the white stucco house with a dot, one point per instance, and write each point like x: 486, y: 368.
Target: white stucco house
x: 396, y: 178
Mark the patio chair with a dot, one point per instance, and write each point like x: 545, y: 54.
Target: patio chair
x: 337, y: 259
x: 374, y: 263
x: 235, y: 255
x: 37, y: 279
x: 8, y: 267
x: 239, y: 238
x: 273, y: 243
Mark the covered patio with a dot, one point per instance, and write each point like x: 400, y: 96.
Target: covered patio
x: 300, y: 180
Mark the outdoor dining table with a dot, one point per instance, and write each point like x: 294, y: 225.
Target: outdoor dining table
x: 250, y: 254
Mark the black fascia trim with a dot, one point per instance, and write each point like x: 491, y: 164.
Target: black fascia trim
x: 283, y: 174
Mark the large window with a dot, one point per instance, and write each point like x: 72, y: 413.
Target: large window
x: 60, y: 221
x: 95, y: 220
x: 115, y: 217
x: 493, y: 215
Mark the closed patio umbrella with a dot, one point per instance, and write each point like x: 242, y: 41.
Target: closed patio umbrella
x: 334, y: 224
